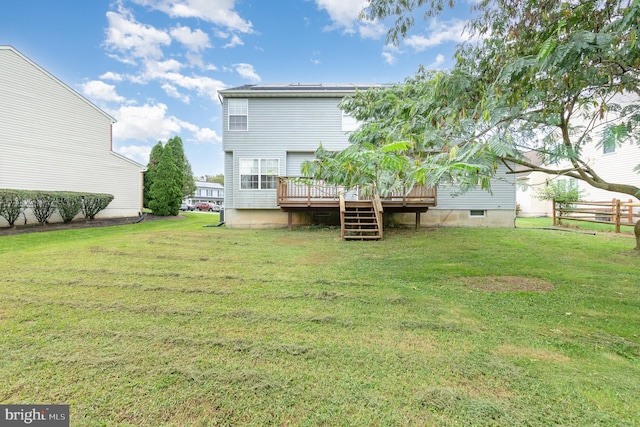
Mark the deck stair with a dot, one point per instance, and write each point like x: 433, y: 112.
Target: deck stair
x: 360, y: 220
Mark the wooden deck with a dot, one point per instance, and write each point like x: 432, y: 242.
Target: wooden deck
x: 306, y: 194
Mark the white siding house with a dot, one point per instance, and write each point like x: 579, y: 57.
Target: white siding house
x: 269, y: 130
x: 613, y: 164
x: 52, y: 138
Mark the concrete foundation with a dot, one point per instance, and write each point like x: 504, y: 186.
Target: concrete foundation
x: 275, y: 218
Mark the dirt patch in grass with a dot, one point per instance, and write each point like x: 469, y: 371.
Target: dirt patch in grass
x: 508, y: 284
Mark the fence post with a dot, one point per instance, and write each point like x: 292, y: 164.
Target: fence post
x: 553, y: 210
x: 630, y: 211
x: 617, y: 215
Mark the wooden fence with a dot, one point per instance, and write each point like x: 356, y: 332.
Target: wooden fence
x: 613, y: 212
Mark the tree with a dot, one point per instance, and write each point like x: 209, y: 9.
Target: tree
x: 166, y: 190
x: 149, y: 175
x: 545, y: 75
x: 188, y: 184
x: 219, y: 178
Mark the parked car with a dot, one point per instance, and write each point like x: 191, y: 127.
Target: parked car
x: 207, y: 206
x: 187, y: 207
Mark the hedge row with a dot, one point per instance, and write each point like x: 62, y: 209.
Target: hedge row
x: 44, y: 204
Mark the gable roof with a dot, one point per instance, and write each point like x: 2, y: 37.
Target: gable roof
x: 56, y: 80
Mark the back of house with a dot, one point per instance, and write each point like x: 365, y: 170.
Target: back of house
x: 270, y: 130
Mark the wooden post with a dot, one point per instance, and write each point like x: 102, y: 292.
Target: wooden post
x: 617, y: 215
x: 417, y: 221
x: 553, y: 210
x: 630, y: 211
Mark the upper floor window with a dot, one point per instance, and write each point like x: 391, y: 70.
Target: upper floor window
x: 349, y: 123
x: 259, y: 174
x: 238, y: 111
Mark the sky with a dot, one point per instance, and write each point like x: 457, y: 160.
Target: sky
x: 156, y: 66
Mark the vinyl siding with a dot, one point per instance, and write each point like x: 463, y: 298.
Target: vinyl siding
x: 294, y: 162
x: 54, y: 139
x: 276, y: 127
x: 292, y: 128
x: 502, y: 196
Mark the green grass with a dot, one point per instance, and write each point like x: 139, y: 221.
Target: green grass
x: 172, y: 323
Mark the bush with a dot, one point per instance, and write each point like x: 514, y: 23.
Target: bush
x: 43, y: 205
x: 69, y: 205
x: 12, y: 203
x: 562, y: 191
x: 92, y: 203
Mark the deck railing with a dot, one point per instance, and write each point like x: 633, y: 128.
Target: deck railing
x: 307, y: 191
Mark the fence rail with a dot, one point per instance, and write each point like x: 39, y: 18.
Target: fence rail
x: 614, y: 212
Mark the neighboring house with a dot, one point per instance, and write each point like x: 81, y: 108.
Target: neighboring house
x: 52, y: 138
x: 528, y: 185
x: 269, y: 130
x: 613, y: 164
x: 208, y: 192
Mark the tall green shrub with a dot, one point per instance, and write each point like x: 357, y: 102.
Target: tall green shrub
x: 43, y: 205
x: 12, y: 203
x: 68, y: 204
x: 150, y: 173
x: 92, y: 203
x: 166, y: 191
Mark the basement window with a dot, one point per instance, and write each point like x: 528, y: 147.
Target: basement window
x: 477, y: 213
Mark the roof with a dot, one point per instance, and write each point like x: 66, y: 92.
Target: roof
x: 295, y: 90
x: 204, y: 184
x: 58, y: 81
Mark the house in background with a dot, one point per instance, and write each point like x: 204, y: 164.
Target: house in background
x: 269, y: 130
x: 208, y: 192
x: 613, y: 164
x: 52, y: 138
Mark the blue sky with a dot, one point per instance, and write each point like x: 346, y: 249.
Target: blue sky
x: 156, y: 65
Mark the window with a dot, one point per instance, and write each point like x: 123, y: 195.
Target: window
x: 238, y: 111
x: 476, y: 212
x: 608, y: 148
x: 349, y: 123
x: 258, y: 174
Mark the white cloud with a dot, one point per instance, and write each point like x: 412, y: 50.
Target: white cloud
x: 438, y: 62
x: 173, y: 92
x: 206, y: 136
x: 143, y: 123
x: 133, y: 39
x: 99, y: 90
x: 439, y: 33
x: 218, y: 12
x: 195, y: 41
x: 343, y: 13
x: 235, y: 41
x: 137, y: 153
x: 247, y: 72
x: 110, y: 75
x: 389, y: 58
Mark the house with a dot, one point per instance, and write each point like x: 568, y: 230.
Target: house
x: 269, y: 130
x: 208, y: 192
x: 528, y: 183
x: 612, y: 163
x: 55, y: 139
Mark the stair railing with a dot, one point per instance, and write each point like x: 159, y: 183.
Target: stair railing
x: 378, y: 210
x: 342, y: 211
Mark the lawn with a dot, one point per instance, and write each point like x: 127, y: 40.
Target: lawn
x: 173, y: 323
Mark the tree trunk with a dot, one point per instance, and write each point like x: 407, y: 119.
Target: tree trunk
x: 636, y: 230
